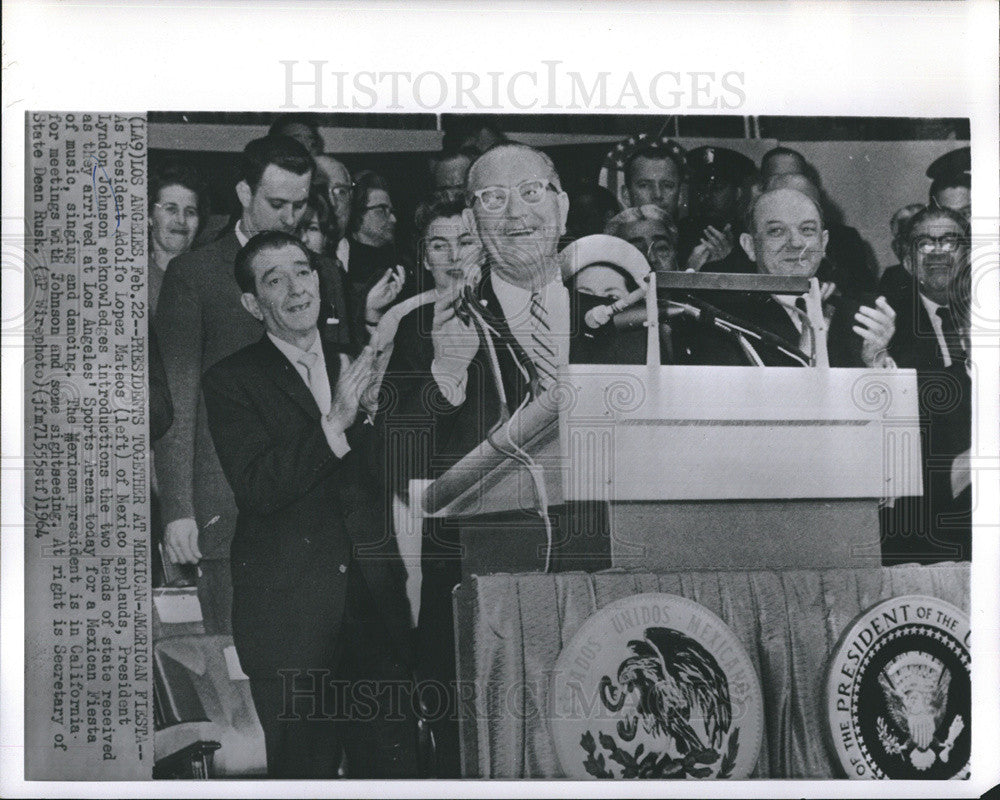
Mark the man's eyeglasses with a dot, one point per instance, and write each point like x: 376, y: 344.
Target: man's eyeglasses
x: 340, y: 192
x: 175, y: 210
x: 495, y: 198
x: 382, y: 208
x: 948, y: 243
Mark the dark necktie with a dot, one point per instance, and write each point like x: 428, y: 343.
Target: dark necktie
x: 951, y: 336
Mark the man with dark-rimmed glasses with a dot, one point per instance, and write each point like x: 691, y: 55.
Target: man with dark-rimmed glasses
x: 928, y: 292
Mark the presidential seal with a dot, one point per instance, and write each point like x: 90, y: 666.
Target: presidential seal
x: 655, y: 686
x: 898, y: 692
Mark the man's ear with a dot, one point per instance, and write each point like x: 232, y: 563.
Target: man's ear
x: 562, y: 200
x: 746, y: 242
x: 249, y: 301
x: 907, y: 260
x: 826, y: 239
x: 624, y: 196
x: 244, y: 194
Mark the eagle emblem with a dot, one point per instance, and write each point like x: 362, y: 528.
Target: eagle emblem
x: 672, y: 690
x: 915, y: 688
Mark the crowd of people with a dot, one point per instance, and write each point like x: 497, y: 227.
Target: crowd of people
x: 315, y: 363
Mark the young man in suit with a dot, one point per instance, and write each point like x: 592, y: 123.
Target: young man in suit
x: 320, y: 618
x: 930, y: 338
x: 201, y: 320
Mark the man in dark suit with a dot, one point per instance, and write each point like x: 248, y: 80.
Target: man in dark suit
x: 787, y: 237
x: 201, y: 320
x: 929, y: 338
x: 849, y: 260
x: 320, y: 619
x: 521, y: 314
x: 718, y: 181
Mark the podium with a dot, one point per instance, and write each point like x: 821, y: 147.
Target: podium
x: 696, y: 472
x: 693, y: 468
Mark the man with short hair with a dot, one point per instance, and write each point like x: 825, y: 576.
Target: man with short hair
x: 953, y: 192
x: 518, y: 208
x: 849, y: 260
x: 301, y: 127
x: 339, y: 188
x: 653, y: 175
x: 786, y: 236
x: 319, y: 614
x: 951, y: 182
x: 718, y: 181
x: 449, y: 171
x: 200, y: 320
x: 930, y: 337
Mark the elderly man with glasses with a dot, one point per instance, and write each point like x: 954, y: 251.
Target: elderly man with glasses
x: 496, y: 345
x: 928, y: 292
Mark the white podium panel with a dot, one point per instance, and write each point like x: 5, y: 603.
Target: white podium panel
x: 722, y: 433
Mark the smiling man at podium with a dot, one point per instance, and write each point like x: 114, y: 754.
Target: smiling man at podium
x: 495, y: 347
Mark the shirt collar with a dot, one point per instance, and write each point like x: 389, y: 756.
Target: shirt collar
x: 293, y: 353
x: 516, y: 302
x: 241, y: 235
x: 930, y: 305
x: 787, y: 302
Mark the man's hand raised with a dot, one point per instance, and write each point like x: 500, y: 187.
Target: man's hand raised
x: 876, y: 327
x: 351, y: 384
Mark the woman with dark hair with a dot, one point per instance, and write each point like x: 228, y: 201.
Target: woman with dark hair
x: 317, y: 227
x: 178, y: 207
x: 372, y: 234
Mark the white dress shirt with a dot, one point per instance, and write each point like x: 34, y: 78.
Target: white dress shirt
x: 320, y: 389
x: 241, y: 235
x: 515, y: 303
x: 344, y: 252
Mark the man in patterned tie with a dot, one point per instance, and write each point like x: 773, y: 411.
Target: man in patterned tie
x: 494, y: 345
x: 519, y: 209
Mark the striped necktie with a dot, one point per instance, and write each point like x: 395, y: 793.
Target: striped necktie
x: 543, y: 350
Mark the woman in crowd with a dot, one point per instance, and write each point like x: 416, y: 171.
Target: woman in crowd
x: 650, y: 229
x: 372, y: 231
x: 178, y: 206
x: 317, y: 226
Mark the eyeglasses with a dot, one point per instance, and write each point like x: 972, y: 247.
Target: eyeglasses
x: 174, y: 210
x: 948, y: 243
x: 340, y: 192
x: 382, y: 208
x: 495, y: 198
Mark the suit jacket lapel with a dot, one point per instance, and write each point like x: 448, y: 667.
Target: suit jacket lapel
x: 515, y: 385
x: 927, y: 340
x: 280, y: 370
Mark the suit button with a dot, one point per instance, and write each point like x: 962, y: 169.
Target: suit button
x: 343, y: 567
x: 308, y: 540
